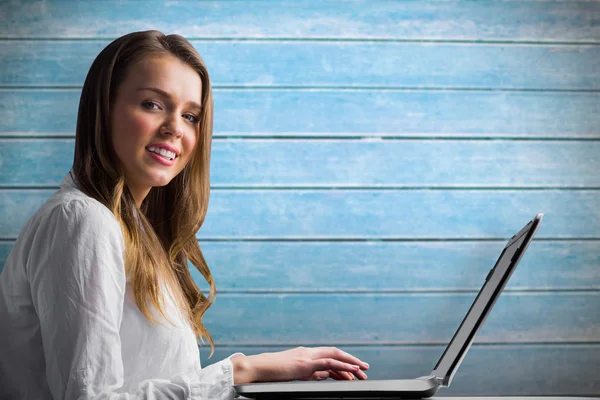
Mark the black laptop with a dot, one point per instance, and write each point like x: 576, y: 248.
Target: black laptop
x: 444, y: 370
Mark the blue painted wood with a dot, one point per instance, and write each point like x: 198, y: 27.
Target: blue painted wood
x: 393, y: 214
x: 341, y: 112
x: 400, y: 214
x: 451, y: 20
x: 346, y: 163
x: 403, y: 318
x: 508, y: 370
x: 389, y: 266
x: 326, y: 64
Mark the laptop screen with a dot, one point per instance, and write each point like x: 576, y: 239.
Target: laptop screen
x: 493, y: 286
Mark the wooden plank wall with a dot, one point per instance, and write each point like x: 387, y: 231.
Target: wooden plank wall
x: 370, y: 160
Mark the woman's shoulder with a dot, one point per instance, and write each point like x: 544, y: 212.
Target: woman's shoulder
x: 69, y: 221
x: 80, y: 204
x: 70, y: 207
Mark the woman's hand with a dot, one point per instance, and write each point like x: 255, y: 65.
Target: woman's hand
x: 300, y: 363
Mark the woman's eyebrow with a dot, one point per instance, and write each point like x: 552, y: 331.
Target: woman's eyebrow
x: 167, y: 95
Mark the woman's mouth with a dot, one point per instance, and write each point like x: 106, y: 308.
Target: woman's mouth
x: 169, y: 155
x: 163, y: 156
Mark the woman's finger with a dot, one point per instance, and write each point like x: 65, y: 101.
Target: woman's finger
x: 335, y: 353
x: 361, y: 375
x: 344, y: 375
x: 330, y: 363
x: 320, y: 375
x: 341, y: 375
x: 348, y: 375
x: 335, y: 375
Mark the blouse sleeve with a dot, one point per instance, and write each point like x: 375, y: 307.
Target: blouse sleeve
x: 78, y: 283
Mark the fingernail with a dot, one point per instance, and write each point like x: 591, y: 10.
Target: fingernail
x: 366, y: 364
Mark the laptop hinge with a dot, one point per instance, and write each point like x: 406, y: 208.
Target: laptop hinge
x: 440, y: 381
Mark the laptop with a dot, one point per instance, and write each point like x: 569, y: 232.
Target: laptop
x: 446, y: 367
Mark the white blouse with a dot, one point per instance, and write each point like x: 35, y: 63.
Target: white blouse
x: 69, y: 326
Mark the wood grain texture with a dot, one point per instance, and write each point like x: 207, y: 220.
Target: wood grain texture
x: 333, y: 64
x: 374, y: 214
x: 487, y: 370
x: 403, y: 318
x: 395, y: 266
x: 347, y: 163
x: 322, y: 266
x: 573, y: 21
x: 343, y: 112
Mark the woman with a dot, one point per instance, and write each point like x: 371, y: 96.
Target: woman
x: 96, y: 299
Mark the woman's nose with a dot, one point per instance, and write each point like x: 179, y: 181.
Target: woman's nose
x: 172, y: 128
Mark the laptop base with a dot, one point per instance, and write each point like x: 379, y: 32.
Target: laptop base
x: 372, y: 389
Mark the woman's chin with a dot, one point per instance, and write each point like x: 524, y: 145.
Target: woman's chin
x: 159, y: 180
x: 161, y: 183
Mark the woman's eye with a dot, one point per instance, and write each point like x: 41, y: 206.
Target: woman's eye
x: 194, y: 120
x: 149, y: 102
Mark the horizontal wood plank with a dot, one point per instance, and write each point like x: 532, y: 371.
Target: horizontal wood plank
x: 333, y: 64
x: 389, y: 266
x: 452, y: 20
x: 461, y: 214
x: 337, y: 112
x: 376, y: 214
x: 509, y: 370
x: 347, y: 163
x: 395, y: 266
x: 403, y: 318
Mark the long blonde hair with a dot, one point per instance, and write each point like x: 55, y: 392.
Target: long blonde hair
x: 160, y: 235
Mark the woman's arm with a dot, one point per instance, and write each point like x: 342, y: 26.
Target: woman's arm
x: 78, y: 284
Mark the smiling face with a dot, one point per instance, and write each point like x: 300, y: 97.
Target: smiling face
x: 155, y: 114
